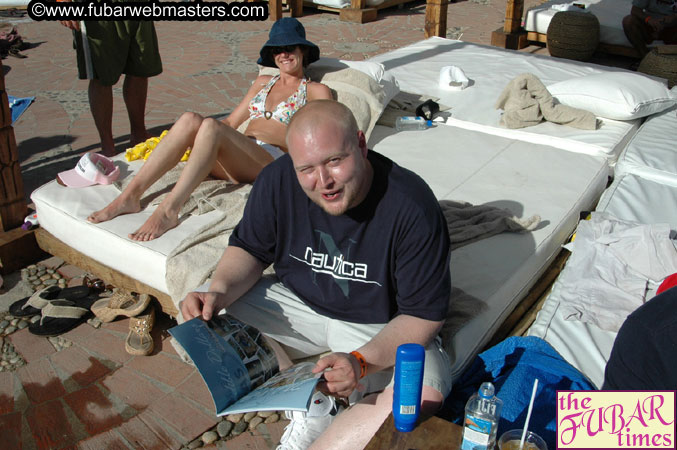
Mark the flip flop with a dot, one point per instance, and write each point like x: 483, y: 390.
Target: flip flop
x: 139, y: 341
x: 31, y: 306
x: 120, y: 304
x: 60, y: 316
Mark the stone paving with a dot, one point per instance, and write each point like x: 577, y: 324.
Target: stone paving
x: 83, y: 390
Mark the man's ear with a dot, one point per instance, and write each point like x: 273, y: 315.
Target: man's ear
x: 362, y: 143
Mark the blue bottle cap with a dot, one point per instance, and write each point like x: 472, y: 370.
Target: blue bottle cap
x: 429, y: 123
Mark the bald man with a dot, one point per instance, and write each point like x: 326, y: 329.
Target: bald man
x: 360, y: 250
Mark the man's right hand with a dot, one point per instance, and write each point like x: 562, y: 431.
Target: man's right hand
x: 201, y: 304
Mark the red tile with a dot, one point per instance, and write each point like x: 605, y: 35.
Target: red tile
x: 119, y: 325
x: 84, y: 369
x: 109, y: 346
x: 30, y: 346
x: 110, y: 440
x: 6, y: 392
x: 52, y: 262
x: 183, y: 417
x: 40, y: 381
x: 10, y: 431
x: 81, y: 334
x: 195, y: 389
x: 135, y: 390
x: 163, y: 368
x: 70, y: 271
x: 145, y: 431
x: 49, y: 425
x: 94, y: 410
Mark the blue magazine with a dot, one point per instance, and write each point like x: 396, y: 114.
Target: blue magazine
x: 240, y: 369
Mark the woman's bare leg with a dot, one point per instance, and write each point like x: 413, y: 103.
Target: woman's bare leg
x: 164, y: 157
x: 218, y: 149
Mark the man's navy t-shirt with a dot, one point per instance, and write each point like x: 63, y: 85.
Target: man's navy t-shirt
x: 387, y: 256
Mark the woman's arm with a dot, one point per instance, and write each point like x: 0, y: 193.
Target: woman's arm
x: 318, y: 91
x: 241, y: 111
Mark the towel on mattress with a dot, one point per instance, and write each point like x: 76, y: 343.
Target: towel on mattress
x: 526, y: 102
x: 512, y: 366
x: 469, y: 223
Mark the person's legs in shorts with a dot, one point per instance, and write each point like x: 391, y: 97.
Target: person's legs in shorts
x: 277, y: 312
x: 638, y: 33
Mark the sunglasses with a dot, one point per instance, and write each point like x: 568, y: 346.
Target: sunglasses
x: 283, y: 49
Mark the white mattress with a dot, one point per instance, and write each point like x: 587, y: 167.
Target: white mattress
x: 457, y: 163
x: 610, y: 14
x: 526, y: 178
x: 63, y: 211
x: 649, y: 154
x: 586, y: 346
x: 416, y: 68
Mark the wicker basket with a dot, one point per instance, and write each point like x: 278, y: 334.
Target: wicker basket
x: 660, y: 65
x: 573, y: 35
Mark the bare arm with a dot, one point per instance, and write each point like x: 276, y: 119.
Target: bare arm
x: 241, y: 111
x: 235, y: 274
x: 318, y: 91
x: 379, y: 353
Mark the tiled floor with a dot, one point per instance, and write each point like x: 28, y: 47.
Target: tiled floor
x: 93, y: 394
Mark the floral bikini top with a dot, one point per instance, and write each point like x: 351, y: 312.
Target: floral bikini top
x: 284, y: 110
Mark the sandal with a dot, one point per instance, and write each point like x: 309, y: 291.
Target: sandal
x: 120, y: 304
x: 31, y: 306
x: 60, y: 316
x: 139, y: 341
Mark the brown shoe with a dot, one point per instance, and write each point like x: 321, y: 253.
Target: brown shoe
x: 139, y: 341
x: 120, y: 304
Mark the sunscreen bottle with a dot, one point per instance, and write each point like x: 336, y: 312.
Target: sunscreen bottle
x: 409, y: 365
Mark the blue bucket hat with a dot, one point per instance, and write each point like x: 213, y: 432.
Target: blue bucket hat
x: 287, y: 31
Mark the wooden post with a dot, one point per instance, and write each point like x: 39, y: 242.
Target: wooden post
x: 513, y: 15
x: 18, y: 247
x: 436, y: 18
x: 512, y: 35
x: 13, y: 208
x: 296, y: 7
x: 274, y: 10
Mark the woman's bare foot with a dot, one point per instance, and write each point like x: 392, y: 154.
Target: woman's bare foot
x: 115, y: 208
x: 157, y: 224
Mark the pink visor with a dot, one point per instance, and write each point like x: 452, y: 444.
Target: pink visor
x: 92, y: 168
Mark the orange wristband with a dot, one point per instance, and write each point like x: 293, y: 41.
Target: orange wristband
x: 647, y: 20
x: 362, y: 361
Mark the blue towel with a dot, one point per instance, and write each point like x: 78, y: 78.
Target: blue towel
x: 17, y: 105
x: 512, y: 367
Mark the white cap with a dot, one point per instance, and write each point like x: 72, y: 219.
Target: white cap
x: 92, y: 168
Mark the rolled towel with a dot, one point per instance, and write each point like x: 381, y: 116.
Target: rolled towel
x: 453, y: 78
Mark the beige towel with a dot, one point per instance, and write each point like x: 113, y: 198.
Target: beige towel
x: 469, y: 223
x: 526, y: 102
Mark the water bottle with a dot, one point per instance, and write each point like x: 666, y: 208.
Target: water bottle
x: 409, y: 364
x: 482, y: 413
x: 404, y: 123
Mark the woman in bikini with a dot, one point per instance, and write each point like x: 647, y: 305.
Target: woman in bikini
x: 218, y: 149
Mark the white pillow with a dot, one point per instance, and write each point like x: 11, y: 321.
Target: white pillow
x: 614, y: 95
x: 373, y: 69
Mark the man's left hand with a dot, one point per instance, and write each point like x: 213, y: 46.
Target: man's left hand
x: 342, y: 372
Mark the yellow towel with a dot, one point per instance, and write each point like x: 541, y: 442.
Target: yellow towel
x: 144, y: 149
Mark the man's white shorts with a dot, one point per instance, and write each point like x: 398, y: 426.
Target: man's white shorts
x: 277, y: 312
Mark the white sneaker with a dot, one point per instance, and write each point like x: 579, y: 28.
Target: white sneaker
x: 304, y: 428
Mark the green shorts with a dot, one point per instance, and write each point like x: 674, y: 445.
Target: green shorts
x: 117, y: 47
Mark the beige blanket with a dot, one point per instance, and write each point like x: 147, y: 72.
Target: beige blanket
x: 526, y: 102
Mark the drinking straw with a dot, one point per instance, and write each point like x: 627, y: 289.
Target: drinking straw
x: 531, y: 406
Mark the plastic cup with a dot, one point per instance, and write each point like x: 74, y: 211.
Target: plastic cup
x: 510, y: 440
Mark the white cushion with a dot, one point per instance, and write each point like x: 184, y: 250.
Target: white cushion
x: 373, y: 69
x: 614, y: 95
